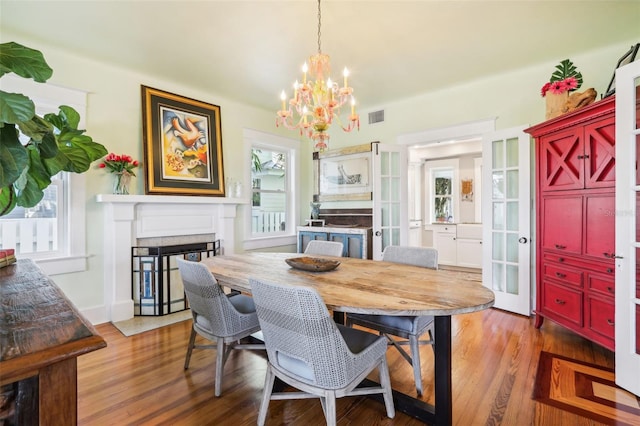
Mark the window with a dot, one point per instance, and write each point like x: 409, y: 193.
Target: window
x: 442, y: 182
x: 271, y: 217
x: 43, y: 232
x: 269, y: 191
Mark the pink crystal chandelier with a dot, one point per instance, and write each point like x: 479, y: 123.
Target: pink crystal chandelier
x: 316, y: 102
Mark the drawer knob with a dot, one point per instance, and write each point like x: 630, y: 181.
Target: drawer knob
x: 560, y: 275
x: 560, y: 247
x: 561, y: 259
x: 611, y: 290
x: 609, y: 271
x: 611, y: 322
x: 560, y: 302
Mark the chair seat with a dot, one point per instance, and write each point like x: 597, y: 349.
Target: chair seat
x: 401, y: 326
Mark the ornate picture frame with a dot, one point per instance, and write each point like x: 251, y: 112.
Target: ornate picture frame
x: 343, y: 174
x: 182, y: 145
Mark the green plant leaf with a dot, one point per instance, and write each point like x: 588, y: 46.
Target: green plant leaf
x: 71, y: 115
x: 7, y: 200
x: 24, y: 61
x: 15, y: 108
x: 31, y: 194
x: 13, y: 156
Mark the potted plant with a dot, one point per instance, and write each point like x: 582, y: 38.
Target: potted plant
x: 55, y: 143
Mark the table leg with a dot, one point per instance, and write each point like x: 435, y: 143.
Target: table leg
x: 443, y: 388
x: 440, y: 413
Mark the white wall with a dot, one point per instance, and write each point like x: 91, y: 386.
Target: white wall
x: 114, y: 119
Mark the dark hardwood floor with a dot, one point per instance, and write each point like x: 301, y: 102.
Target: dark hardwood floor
x: 140, y: 380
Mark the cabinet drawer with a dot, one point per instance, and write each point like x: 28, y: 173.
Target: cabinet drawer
x: 563, y: 301
x: 605, y: 284
x: 603, y: 266
x: 563, y: 273
x: 602, y: 317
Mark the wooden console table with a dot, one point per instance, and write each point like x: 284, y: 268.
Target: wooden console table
x: 41, y: 336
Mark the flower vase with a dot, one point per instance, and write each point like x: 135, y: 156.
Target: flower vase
x: 556, y: 104
x: 121, y: 183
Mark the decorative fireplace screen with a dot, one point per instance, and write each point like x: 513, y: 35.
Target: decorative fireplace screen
x: 156, y: 287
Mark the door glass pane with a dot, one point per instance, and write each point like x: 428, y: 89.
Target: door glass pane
x: 395, y: 236
x: 384, y: 189
x: 498, y: 216
x: 395, y: 214
x: 395, y: 189
x: 386, y: 238
x: 498, y: 154
x: 512, y: 279
x: 498, y: 246
x: 497, y: 182
x: 395, y: 163
x: 384, y: 214
x: 512, y: 152
x: 384, y: 163
x: 512, y: 216
x: 512, y: 184
x: 512, y: 247
x: 498, y: 277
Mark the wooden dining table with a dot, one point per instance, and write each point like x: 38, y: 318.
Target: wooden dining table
x: 375, y: 287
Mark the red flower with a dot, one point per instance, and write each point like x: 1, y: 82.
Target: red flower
x: 558, y: 87
x: 545, y: 89
x: 571, y: 83
x: 119, y: 163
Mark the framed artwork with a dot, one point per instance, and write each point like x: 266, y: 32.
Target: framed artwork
x: 628, y: 57
x: 182, y: 145
x: 466, y: 189
x: 343, y: 174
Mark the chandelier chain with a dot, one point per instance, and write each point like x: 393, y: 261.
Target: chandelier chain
x: 319, y: 20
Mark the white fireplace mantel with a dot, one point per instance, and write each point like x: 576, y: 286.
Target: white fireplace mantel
x: 128, y: 218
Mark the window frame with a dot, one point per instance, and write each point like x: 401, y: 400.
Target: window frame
x: 432, y: 167
x: 71, y: 254
x: 260, y: 140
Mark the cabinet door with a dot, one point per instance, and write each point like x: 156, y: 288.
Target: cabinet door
x: 599, y: 240
x: 469, y: 253
x: 561, y: 157
x: 599, y: 153
x: 305, y: 236
x: 352, y: 244
x: 445, y: 242
x: 562, y: 223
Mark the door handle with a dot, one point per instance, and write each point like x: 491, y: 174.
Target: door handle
x: 378, y: 233
x: 522, y: 240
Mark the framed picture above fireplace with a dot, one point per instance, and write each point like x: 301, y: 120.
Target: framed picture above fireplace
x: 182, y: 145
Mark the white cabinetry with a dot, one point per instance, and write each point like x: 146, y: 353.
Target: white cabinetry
x: 444, y: 240
x: 458, y: 244
x: 469, y: 245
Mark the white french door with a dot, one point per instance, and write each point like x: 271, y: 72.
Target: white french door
x: 390, y: 218
x: 627, y: 320
x: 506, y: 218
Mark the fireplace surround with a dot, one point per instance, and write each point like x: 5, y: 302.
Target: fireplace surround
x: 133, y: 219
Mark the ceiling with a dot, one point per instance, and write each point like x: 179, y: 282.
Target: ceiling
x: 251, y: 50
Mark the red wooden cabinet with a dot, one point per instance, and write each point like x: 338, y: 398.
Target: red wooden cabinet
x: 575, y: 208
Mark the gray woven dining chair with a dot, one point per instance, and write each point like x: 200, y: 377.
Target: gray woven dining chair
x: 405, y: 327
x: 217, y: 317
x: 326, y: 248
x: 306, y: 349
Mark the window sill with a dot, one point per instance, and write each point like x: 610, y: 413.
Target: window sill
x: 62, y: 265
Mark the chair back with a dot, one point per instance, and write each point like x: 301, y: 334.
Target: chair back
x: 427, y: 257
x: 301, y: 338
x: 326, y: 248
x: 206, y: 298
